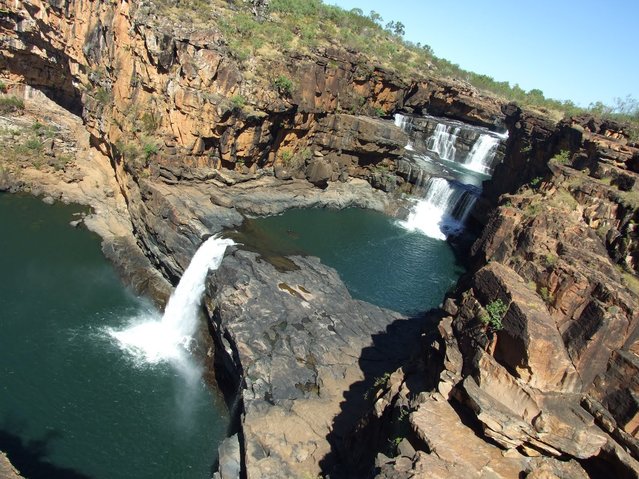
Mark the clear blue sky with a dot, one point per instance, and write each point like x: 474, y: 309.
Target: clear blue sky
x: 579, y: 50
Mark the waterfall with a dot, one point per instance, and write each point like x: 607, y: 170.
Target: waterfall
x: 401, y: 121
x: 482, y: 154
x: 443, y: 141
x: 442, y: 211
x: 153, y: 339
x: 406, y: 125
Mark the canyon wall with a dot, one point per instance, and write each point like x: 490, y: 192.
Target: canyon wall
x: 196, y: 139
x: 171, y: 107
x: 536, y: 355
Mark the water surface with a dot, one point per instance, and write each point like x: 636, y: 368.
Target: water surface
x: 72, y: 404
x: 379, y: 261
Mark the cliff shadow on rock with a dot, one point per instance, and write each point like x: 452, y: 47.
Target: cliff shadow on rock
x: 368, y: 423
x: 306, y: 358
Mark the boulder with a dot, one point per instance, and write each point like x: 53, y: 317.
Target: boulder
x: 319, y: 172
x: 527, y: 322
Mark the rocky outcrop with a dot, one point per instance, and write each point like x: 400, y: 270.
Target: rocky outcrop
x: 299, y: 345
x: 169, y: 105
x: 535, y: 363
x: 7, y: 470
x: 537, y: 354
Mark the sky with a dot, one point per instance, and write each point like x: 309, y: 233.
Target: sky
x: 579, y: 50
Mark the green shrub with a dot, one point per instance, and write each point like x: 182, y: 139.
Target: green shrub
x: 380, y: 112
x: 563, y: 157
x: 103, y: 96
x: 380, y: 382
x: 61, y: 161
x: 149, y: 122
x: 33, y: 144
x: 10, y: 104
x: 3, y: 87
x: 149, y: 149
x: 546, y: 295
x: 533, y: 209
x: 495, y: 314
x: 238, y: 102
x: 284, y: 85
x: 536, y: 181
x: 286, y: 157
x: 127, y: 150
x: 551, y: 259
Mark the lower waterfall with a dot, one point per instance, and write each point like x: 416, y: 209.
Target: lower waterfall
x: 152, y: 339
x: 442, y: 211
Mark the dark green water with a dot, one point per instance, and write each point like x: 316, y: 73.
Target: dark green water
x: 72, y: 404
x: 379, y: 261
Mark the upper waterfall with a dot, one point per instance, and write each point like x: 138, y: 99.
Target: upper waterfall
x: 482, y: 154
x: 443, y: 141
x: 446, y: 162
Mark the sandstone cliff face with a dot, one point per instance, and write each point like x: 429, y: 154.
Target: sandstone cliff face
x: 196, y: 140
x: 169, y: 104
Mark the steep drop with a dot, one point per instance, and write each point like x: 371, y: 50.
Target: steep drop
x: 442, y: 211
x: 169, y: 338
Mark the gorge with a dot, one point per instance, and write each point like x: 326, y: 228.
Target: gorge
x: 529, y: 367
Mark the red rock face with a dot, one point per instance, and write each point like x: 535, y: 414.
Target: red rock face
x: 135, y: 77
x: 560, y: 252
x: 557, y: 375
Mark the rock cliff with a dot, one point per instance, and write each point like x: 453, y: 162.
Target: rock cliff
x: 170, y: 105
x: 536, y: 354
x: 532, y: 369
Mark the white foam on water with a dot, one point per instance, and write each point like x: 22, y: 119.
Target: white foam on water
x: 441, y: 212
x: 152, y: 339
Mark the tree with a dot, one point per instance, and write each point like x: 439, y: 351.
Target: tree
x: 399, y: 29
x: 376, y: 17
x: 428, y: 49
x: 626, y: 106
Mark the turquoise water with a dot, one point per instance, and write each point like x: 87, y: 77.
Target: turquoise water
x: 379, y: 261
x: 73, y: 405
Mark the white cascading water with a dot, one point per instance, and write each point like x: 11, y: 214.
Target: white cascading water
x: 481, y: 155
x: 442, y: 211
x: 405, y: 124
x: 442, y: 141
x: 152, y: 339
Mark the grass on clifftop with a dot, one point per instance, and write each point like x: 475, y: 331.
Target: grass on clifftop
x: 306, y: 25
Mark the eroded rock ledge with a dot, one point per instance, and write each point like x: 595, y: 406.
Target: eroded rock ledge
x: 306, y: 355
x: 547, y: 387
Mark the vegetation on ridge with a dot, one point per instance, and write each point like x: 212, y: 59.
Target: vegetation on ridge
x: 266, y: 28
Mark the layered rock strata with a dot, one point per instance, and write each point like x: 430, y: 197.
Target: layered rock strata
x: 303, y: 353
x: 551, y: 373
x: 195, y: 140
